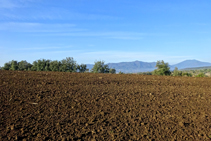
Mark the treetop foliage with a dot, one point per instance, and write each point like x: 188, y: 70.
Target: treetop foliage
x: 82, y: 68
x: 162, y: 68
x: 65, y: 65
x: 100, y: 67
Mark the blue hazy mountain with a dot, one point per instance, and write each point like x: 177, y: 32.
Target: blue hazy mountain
x: 139, y: 66
x: 190, y: 64
x: 130, y: 67
x: 133, y: 67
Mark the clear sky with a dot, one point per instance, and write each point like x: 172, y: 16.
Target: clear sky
x: 109, y: 30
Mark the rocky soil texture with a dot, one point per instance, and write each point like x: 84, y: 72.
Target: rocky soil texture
x: 86, y: 106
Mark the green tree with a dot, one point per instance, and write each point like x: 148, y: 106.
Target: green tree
x: 14, y: 65
x: 68, y: 65
x: 121, y: 72
x: 47, y: 65
x: 24, y: 65
x: 7, y: 66
x: 200, y: 75
x: 34, y: 66
x: 55, y: 65
x: 29, y: 66
x: 186, y: 74
x: 41, y: 65
x: 81, y: 68
x: 162, y: 68
x: 176, y: 72
x: 112, y: 71
x: 100, y: 67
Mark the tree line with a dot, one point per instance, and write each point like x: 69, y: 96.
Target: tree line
x: 70, y: 65
x: 65, y: 65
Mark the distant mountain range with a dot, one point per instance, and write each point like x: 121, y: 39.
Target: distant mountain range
x: 191, y: 64
x: 139, y: 66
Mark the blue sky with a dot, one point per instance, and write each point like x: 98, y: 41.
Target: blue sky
x: 113, y: 31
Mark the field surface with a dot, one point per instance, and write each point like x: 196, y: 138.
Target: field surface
x: 95, y: 107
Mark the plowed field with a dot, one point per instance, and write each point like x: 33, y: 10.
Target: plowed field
x: 85, y: 106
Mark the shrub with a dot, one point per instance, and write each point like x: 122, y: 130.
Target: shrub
x: 121, y: 72
x: 186, y: 74
x: 200, y: 75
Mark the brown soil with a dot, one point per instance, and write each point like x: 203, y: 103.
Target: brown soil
x: 84, y: 106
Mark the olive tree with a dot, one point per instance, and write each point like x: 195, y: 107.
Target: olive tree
x: 24, y: 65
x: 81, y: 68
x: 112, y: 71
x: 68, y: 65
x: 7, y: 66
x: 100, y: 67
x: 162, y: 68
x: 14, y: 65
x: 55, y: 65
x: 34, y: 66
x: 41, y: 65
x: 47, y: 65
x: 176, y: 72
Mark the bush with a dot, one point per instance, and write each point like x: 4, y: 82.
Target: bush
x: 200, y: 75
x: 145, y: 73
x: 121, y: 72
x: 186, y: 74
x: 176, y: 72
